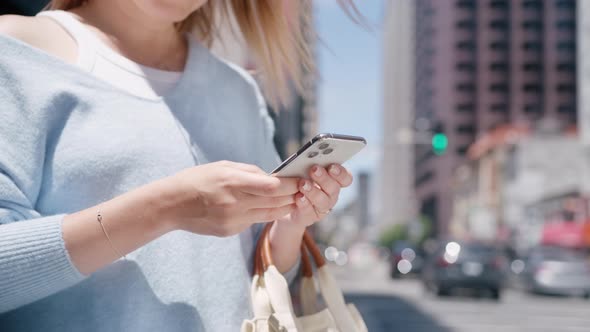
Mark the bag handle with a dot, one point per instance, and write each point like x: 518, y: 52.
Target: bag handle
x: 329, y: 289
x: 259, y: 268
x: 263, y: 254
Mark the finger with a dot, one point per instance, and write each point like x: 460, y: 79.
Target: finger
x: 304, y: 209
x: 269, y: 214
x: 341, y: 175
x: 304, y: 206
x: 265, y: 185
x: 327, y: 183
x: 317, y: 197
x: 244, y: 167
x: 301, y: 201
x: 261, y: 202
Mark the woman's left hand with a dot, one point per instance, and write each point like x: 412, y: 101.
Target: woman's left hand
x: 315, y: 200
x: 317, y: 196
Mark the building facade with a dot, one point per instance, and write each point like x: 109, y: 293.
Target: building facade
x: 396, y: 170
x: 483, y: 64
x: 510, y: 190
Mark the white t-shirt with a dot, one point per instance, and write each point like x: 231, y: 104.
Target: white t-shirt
x: 103, y: 62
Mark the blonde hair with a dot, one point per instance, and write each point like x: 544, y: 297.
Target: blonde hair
x: 280, y: 48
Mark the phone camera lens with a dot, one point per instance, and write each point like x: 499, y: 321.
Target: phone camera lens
x: 328, y: 151
x: 312, y: 154
x: 323, y: 146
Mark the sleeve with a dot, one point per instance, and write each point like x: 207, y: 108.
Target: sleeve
x: 34, y: 262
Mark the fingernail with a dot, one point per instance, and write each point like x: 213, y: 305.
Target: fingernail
x: 334, y: 170
x: 306, y: 186
x: 302, y: 199
x: 317, y: 171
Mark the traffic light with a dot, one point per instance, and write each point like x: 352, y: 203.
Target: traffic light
x: 440, y: 141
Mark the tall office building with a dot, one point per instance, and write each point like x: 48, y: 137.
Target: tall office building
x: 397, y: 203
x: 482, y: 64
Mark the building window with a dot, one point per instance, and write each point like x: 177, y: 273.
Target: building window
x: 465, y: 87
x: 566, y: 109
x: 465, y: 108
x: 532, y: 46
x: 424, y: 178
x: 465, y: 129
x: 566, y: 25
x: 499, y: 66
x: 566, y: 67
x: 536, y: 4
x: 532, y: 87
x: 569, y: 46
x: 465, y: 66
x: 531, y: 66
x: 566, y: 4
x: 467, y: 4
x: 532, y: 108
x: 465, y: 24
x: 500, y: 45
x: 462, y: 150
x: 422, y: 158
x: 499, y: 24
x: 532, y: 25
x: 466, y: 45
x: 565, y: 87
x: 499, y: 108
x: 499, y: 87
x: 499, y: 4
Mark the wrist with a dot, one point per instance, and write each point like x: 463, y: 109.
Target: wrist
x: 157, y: 198
x: 289, y: 227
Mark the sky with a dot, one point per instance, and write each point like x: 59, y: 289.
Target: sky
x: 349, y: 90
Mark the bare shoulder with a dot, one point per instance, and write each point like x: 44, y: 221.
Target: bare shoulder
x: 41, y: 33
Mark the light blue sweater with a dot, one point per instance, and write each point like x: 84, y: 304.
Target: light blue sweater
x: 69, y: 141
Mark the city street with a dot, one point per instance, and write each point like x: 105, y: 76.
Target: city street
x: 402, y: 305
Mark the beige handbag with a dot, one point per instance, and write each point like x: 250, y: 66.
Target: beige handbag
x: 272, y: 303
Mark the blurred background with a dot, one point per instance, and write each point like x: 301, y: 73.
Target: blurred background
x: 470, y: 210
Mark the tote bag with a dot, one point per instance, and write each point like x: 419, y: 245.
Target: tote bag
x: 272, y: 303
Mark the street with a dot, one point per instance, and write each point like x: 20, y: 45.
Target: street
x: 402, y: 305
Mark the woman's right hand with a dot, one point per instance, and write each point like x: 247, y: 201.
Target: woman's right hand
x: 224, y: 198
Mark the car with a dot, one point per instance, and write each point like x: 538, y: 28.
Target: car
x: 558, y: 271
x: 406, y: 258
x: 457, y: 265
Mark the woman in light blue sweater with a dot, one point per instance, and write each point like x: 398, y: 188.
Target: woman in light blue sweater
x: 122, y: 135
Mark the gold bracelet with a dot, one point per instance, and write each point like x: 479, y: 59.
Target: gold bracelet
x: 99, y: 219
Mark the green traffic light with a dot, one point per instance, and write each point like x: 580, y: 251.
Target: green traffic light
x: 440, y: 142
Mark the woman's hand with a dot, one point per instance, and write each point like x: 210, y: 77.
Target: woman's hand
x: 314, y: 201
x: 317, y: 197
x: 224, y: 198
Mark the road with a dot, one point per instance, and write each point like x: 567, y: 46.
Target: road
x: 402, y: 305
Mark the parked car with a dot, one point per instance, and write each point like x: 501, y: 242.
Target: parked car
x: 406, y: 258
x: 559, y: 271
x: 465, y: 265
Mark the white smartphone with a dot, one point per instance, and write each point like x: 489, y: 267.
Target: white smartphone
x: 323, y: 150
